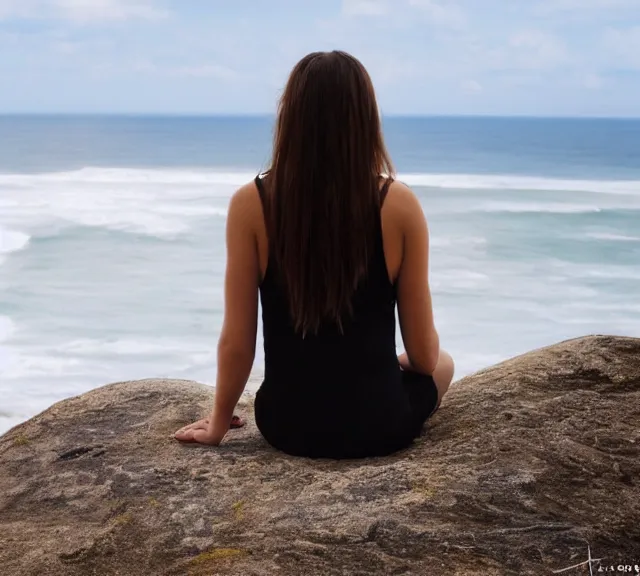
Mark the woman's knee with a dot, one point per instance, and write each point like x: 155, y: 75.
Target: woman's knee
x: 443, y: 374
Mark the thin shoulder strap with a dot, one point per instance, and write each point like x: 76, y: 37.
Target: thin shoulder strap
x: 385, y: 190
x: 261, y: 191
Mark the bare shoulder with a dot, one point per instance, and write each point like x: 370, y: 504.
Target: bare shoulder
x: 245, y: 205
x: 402, y: 204
x: 246, y: 195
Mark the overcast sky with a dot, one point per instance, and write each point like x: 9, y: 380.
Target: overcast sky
x: 504, y: 57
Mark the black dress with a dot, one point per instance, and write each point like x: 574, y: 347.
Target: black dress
x: 333, y: 394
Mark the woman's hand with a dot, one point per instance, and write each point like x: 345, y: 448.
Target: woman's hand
x: 199, y: 432
x: 203, y: 432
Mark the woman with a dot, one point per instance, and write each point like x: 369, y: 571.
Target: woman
x: 330, y: 245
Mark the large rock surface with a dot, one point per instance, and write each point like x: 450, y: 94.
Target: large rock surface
x: 525, y: 466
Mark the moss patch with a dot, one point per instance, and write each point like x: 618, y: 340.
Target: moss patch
x: 424, y: 489
x: 117, y: 507
x: 20, y: 440
x: 123, y: 519
x: 238, y: 509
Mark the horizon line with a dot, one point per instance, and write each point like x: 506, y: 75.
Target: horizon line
x: 264, y: 115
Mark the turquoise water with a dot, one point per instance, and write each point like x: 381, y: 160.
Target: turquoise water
x: 112, y: 240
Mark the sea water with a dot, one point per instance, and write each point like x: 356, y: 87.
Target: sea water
x: 112, y: 240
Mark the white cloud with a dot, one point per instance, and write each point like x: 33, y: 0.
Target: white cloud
x: 364, y: 7
x: 387, y: 69
x: 85, y: 10
x: 593, y: 81
x: 14, y: 8
x: 81, y: 10
x: 584, y: 7
x: 441, y: 12
x: 537, y: 50
x: 65, y: 47
x: 217, y: 71
x: 472, y: 87
x: 444, y: 13
x: 205, y: 71
x: 622, y: 46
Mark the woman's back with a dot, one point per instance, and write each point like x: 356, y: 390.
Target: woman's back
x: 336, y: 392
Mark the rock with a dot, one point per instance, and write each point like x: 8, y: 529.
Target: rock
x: 525, y: 466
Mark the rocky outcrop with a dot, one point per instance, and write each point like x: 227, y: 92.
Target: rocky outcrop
x: 525, y: 467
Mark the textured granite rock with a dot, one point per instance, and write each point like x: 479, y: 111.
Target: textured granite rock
x: 525, y: 466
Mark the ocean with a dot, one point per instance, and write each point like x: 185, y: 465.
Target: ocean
x: 112, y: 240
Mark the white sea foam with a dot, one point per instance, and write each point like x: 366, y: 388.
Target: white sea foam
x: 595, y: 271
x: 130, y: 176
x: 87, y: 347
x: 12, y: 240
x: 41, y: 365
x: 160, y: 203
x: 506, y: 182
x: 598, y: 307
x: 83, y: 361
x: 166, y: 202
x: 7, y: 328
x: 449, y: 241
x: 611, y: 273
x: 612, y: 237
x: 199, y: 210
x: 471, y: 362
x: 158, y: 176
x: 538, y: 207
x: 455, y: 279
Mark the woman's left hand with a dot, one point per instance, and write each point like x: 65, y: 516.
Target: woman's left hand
x: 198, y: 432
x: 201, y: 432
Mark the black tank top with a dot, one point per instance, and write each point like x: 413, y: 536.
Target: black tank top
x: 334, y: 394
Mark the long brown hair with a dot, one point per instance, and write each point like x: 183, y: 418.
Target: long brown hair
x: 323, y: 186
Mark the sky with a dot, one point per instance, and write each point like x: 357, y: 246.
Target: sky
x: 426, y: 57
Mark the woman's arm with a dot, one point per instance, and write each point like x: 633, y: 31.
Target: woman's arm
x: 415, y: 309
x: 237, y: 343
